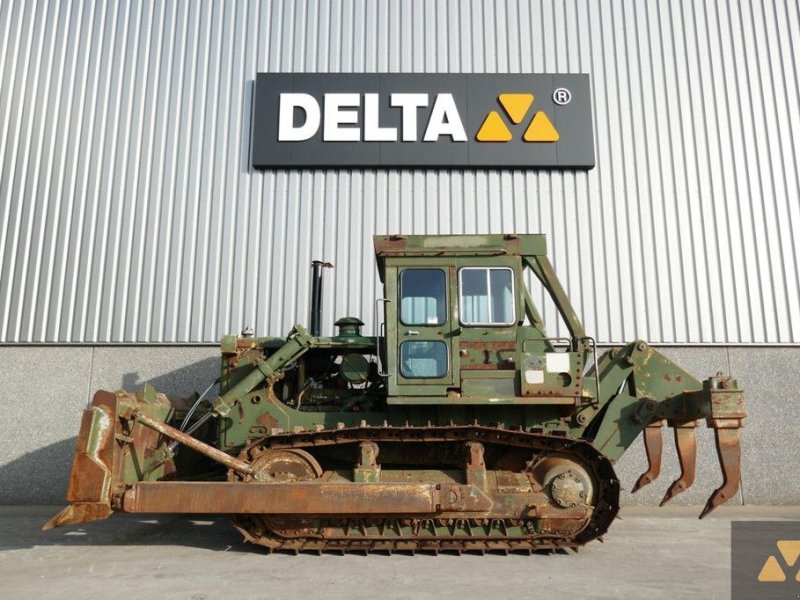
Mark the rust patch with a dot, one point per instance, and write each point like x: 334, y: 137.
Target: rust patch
x: 501, y: 366
x: 686, y: 445
x: 730, y: 460
x: 268, y: 421
x: 94, y: 456
x: 391, y: 244
x: 80, y: 512
x: 488, y: 345
x: 653, y: 445
x: 283, y: 498
x: 104, y: 398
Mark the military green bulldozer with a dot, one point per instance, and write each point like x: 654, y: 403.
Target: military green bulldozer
x: 461, y: 426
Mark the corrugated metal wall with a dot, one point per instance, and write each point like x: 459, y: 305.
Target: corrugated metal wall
x: 128, y: 211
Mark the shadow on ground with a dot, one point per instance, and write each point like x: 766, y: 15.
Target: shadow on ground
x: 20, y: 530
x: 40, y: 477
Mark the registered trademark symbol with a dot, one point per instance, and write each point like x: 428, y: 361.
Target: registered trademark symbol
x: 562, y: 96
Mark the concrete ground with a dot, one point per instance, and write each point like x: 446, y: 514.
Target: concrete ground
x: 649, y: 553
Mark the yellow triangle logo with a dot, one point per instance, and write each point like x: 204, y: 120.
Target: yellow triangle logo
x: 771, y: 571
x: 493, y: 129
x: 790, y: 549
x: 516, y: 105
x: 541, y: 130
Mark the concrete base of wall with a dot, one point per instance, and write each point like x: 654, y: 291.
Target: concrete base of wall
x: 44, y: 389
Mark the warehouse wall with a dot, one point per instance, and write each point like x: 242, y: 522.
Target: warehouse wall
x: 43, y: 390
x: 129, y: 211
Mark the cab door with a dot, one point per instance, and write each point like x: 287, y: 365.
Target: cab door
x: 423, y: 362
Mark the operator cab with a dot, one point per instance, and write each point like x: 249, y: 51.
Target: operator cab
x: 459, y: 325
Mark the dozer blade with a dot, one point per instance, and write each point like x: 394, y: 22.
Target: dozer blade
x: 730, y: 460
x: 92, y: 465
x: 686, y: 444
x: 653, y: 446
x: 107, y: 449
x: 80, y: 512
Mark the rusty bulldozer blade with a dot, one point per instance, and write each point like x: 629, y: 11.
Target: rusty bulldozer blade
x: 730, y: 460
x: 686, y: 444
x: 653, y: 446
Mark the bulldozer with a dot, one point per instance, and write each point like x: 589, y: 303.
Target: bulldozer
x: 459, y: 426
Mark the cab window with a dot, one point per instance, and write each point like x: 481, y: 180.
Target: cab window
x: 423, y: 359
x: 486, y: 295
x: 422, y: 297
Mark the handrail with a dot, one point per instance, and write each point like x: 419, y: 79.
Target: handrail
x: 567, y: 340
x: 380, y: 324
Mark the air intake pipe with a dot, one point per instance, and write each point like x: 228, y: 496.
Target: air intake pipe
x: 316, y: 296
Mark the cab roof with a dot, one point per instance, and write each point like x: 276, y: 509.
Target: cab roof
x: 502, y: 244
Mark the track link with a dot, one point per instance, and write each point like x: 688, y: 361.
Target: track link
x: 424, y: 534
x: 480, y: 541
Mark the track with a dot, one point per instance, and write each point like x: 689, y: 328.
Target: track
x: 472, y: 534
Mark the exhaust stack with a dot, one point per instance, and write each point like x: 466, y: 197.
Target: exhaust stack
x: 316, y: 296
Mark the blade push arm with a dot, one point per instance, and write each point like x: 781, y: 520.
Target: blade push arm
x: 640, y: 390
x: 297, y: 344
x: 125, y: 438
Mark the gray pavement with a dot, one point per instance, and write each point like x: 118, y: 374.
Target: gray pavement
x: 649, y: 553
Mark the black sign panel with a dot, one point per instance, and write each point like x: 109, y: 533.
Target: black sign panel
x: 422, y: 120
